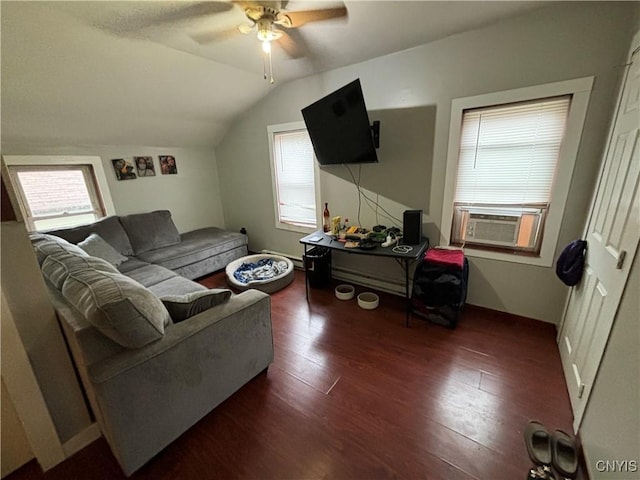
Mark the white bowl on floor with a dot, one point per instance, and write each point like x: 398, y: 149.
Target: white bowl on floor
x: 345, y: 292
x: 368, y: 300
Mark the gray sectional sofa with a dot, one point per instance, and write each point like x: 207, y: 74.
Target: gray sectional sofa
x: 155, y: 351
x: 153, y: 238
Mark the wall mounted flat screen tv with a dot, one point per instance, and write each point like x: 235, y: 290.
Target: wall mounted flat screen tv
x: 338, y: 125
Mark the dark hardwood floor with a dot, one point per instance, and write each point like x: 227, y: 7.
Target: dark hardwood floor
x: 353, y: 394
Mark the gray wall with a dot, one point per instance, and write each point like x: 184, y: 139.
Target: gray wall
x: 560, y: 42
x: 36, y: 322
x: 192, y: 196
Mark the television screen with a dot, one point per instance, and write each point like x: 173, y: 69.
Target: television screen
x: 339, y: 127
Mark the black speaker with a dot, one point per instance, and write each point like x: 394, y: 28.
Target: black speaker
x: 412, y: 227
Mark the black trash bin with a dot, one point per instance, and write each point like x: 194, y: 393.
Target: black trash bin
x: 317, y: 264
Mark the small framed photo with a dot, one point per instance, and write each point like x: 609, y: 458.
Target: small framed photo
x: 123, y: 169
x: 168, y: 165
x: 145, y: 166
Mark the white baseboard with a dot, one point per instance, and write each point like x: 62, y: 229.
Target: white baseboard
x: 394, y: 287
x: 384, y: 285
x: 81, y: 440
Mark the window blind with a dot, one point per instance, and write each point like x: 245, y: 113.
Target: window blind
x: 293, y: 157
x: 508, y: 153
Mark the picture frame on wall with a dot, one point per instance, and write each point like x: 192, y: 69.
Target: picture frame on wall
x: 168, y: 165
x: 145, y: 167
x: 123, y: 169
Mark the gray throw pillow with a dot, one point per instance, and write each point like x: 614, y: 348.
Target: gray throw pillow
x: 181, y: 307
x: 45, y: 245
x: 109, y: 228
x: 96, y: 246
x: 118, y: 306
x: 150, y: 231
x: 57, y: 267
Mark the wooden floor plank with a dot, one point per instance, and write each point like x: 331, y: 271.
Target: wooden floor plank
x: 354, y: 394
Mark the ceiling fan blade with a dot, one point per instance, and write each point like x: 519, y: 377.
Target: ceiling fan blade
x: 244, y: 4
x: 297, y: 19
x: 205, y: 38
x: 244, y: 28
x: 147, y: 15
x: 293, y: 44
x: 198, y: 10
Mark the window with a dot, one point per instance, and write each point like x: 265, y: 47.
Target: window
x: 55, y: 191
x: 56, y: 196
x: 506, y: 165
x: 511, y: 156
x: 293, y: 175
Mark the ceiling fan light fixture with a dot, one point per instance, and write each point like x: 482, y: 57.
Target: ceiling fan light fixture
x: 266, y: 33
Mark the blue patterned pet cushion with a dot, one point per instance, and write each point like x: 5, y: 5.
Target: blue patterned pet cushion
x: 264, y: 269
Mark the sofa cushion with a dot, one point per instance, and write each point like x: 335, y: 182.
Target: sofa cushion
x: 194, y: 247
x: 109, y: 228
x: 57, y: 267
x: 148, y: 275
x: 150, y: 231
x: 96, y: 246
x: 175, y: 286
x: 117, y: 306
x: 131, y: 264
x: 181, y: 307
x: 45, y: 245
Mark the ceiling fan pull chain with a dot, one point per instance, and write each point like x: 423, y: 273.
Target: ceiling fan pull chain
x: 264, y: 65
x: 270, y: 69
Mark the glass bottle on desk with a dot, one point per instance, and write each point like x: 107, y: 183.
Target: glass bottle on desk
x: 326, y: 218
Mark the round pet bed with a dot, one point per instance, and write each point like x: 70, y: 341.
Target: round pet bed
x: 269, y: 285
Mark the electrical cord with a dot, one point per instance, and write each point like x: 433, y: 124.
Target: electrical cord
x: 367, y: 199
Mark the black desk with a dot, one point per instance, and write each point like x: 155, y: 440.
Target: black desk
x: 403, y: 259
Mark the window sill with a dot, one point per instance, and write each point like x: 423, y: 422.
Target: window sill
x: 295, y: 228
x: 538, y: 261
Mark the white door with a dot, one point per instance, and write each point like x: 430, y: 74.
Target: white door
x: 612, y: 235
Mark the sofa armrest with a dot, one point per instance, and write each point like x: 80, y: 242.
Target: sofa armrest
x: 176, y: 334
x: 148, y: 397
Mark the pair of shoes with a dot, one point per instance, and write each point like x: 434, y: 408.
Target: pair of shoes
x: 564, y: 454
x: 538, y: 442
x: 557, y: 449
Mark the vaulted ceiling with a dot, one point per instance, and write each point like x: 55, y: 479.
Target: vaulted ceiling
x: 136, y: 73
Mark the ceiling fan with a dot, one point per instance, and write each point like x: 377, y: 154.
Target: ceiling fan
x: 272, y: 23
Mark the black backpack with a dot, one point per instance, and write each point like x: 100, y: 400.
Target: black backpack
x: 571, y: 262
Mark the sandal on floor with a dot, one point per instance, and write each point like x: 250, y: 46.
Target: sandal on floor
x: 564, y: 453
x: 538, y: 442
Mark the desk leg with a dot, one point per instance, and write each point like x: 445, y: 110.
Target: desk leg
x: 406, y: 291
x: 306, y: 276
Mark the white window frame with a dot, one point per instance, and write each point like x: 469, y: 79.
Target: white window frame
x: 102, y: 186
x: 272, y: 130
x: 580, y: 90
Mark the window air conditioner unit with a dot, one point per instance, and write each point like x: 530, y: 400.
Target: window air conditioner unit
x: 516, y: 228
x: 493, y: 229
